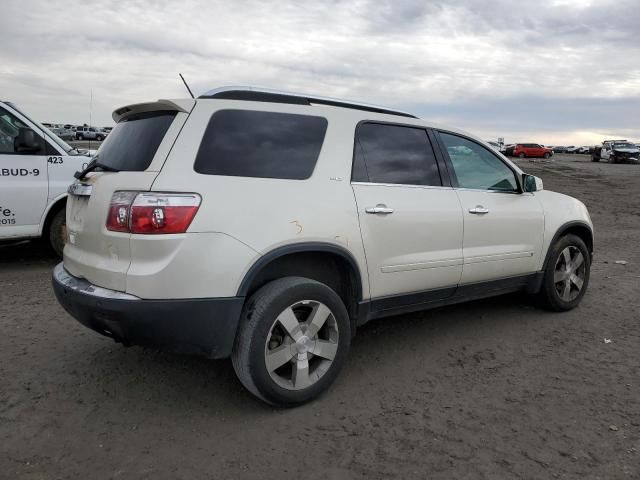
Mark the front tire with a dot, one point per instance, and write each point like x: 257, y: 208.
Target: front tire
x: 546, y: 155
x: 566, y: 276
x: 57, y: 232
x: 292, y: 342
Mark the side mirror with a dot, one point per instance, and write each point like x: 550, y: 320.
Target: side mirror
x: 27, y: 141
x: 531, y: 183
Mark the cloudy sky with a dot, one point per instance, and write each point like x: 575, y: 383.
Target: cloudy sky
x: 551, y: 71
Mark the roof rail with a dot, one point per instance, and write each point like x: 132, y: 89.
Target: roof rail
x: 259, y: 94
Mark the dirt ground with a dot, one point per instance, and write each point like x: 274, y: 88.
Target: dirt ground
x: 491, y: 389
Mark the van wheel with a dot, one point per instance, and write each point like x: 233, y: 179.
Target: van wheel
x: 58, y: 232
x: 566, y: 276
x: 293, y: 340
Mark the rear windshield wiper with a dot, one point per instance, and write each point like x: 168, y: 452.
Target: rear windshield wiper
x: 91, y: 167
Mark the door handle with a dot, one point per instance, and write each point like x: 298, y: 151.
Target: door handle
x: 479, y: 210
x: 380, y: 208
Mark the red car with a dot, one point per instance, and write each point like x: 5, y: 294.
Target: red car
x: 523, y: 150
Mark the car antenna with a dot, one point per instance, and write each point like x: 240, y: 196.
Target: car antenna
x: 185, y: 84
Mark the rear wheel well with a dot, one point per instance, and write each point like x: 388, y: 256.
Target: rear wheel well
x: 329, y: 268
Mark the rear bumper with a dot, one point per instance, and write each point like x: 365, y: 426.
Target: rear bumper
x: 202, y: 326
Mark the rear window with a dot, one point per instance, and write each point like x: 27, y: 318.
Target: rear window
x: 247, y: 143
x: 133, y: 142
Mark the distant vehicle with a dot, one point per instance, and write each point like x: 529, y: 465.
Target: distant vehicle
x: 617, y: 151
x: 524, y: 150
x: 90, y: 133
x: 494, y: 145
x: 508, y: 150
x: 36, y: 168
x: 64, y: 132
x: 559, y: 149
x: 571, y: 149
x: 582, y: 150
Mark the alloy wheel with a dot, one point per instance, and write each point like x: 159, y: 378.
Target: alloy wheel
x: 301, y: 345
x: 569, y: 273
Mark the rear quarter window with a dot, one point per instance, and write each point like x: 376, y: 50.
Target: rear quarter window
x: 247, y: 143
x: 133, y: 142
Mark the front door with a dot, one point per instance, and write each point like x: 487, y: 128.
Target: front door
x: 411, y: 223
x: 23, y: 177
x: 503, y: 227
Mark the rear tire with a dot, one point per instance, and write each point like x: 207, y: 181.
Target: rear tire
x: 566, y: 276
x: 292, y: 342
x: 521, y: 155
x: 57, y: 232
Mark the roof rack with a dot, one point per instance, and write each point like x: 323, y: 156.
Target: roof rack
x: 258, y: 94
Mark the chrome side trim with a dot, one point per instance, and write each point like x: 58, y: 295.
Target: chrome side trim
x: 429, y: 187
x: 80, y: 189
x: 449, y: 262
x: 498, y: 256
x: 81, y: 285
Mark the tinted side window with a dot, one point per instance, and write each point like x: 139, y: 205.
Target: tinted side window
x: 246, y: 143
x: 394, y: 154
x: 476, y: 167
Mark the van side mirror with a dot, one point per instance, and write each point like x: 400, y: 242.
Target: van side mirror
x: 27, y: 141
x: 531, y: 183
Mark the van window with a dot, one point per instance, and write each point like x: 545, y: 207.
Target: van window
x: 246, y: 143
x: 134, y: 141
x: 394, y: 154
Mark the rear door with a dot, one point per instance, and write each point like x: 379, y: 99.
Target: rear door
x: 410, y: 219
x: 23, y: 176
x: 503, y: 227
x: 137, y: 147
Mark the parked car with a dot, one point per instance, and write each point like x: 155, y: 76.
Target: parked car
x: 508, y: 150
x: 495, y: 145
x: 36, y: 167
x: 524, y: 150
x: 617, y: 151
x: 582, y: 150
x: 571, y: 149
x: 90, y: 133
x: 559, y: 149
x: 268, y: 226
x: 63, y: 132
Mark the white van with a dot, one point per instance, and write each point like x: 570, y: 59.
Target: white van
x: 36, y: 168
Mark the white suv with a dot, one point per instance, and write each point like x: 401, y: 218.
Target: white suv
x: 268, y: 226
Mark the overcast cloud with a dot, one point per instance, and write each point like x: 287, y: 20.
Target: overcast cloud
x: 551, y: 71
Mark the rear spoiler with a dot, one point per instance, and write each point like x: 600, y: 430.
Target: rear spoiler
x: 185, y: 105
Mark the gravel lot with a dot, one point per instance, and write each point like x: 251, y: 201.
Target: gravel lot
x: 491, y: 389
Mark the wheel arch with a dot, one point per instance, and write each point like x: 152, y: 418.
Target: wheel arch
x: 580, y: 229
x: 54, y: 207
x: 324, y: 262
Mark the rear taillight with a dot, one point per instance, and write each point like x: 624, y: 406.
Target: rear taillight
x: 152, y: 213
